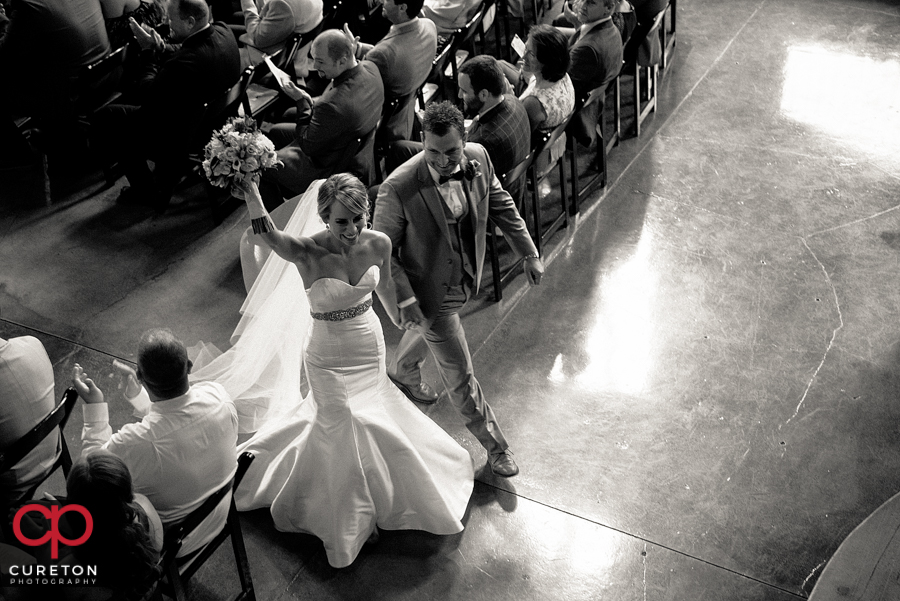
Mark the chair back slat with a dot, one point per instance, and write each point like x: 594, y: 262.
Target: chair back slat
x: 174, y: 573
x: 468, y: 31
x: 518, y: 171
x: 57, y: 418
x: 99, y: 82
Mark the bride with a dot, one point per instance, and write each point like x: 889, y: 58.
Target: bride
x: 353, y: 455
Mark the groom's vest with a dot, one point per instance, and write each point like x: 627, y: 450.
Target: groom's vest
x: 463, y: 271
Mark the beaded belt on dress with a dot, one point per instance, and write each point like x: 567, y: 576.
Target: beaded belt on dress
x: 343, y: 313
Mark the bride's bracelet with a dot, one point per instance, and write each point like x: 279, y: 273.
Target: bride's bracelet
x: 261, y: 225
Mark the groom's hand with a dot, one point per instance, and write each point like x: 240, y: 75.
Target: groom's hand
x: 411, y: 317
x: 534, y: 269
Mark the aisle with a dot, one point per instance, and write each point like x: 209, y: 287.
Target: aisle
x: 702, y: 393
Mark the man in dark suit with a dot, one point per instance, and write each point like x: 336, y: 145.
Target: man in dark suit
x: 175, y: 85
x: 499, y: 121
x: 435, y: 210
x: 404, y: 59
x: 595, y: 59
x: 324, y: 139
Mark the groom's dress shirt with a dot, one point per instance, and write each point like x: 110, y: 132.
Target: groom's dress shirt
x: 181, y: 452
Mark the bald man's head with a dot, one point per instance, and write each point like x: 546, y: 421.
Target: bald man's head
x: 332, y: 53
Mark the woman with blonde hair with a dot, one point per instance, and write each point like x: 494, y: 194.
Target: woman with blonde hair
x: 354, y: 454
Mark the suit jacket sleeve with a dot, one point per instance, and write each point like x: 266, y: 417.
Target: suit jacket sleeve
x: 274, y: 23
x: 502, y: 210
x: 391, y: 220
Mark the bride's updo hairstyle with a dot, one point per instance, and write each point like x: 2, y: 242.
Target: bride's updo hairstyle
x: 345, y: 189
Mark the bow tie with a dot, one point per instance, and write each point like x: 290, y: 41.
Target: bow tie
x: 443, y: 179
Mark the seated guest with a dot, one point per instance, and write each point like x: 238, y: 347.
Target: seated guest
x: 324, y: 139
x: 127, y: 534
x: 499, y: 121
x: 548, y: 95
x: 404, y: 59
x: 172, y: 91
x: 117, y: 13
x: 183, y: 449
x: 273, y: 22
x: 449, y: 15
x: 595, y: 59
x: 46, y: 45
x: 26, y: 382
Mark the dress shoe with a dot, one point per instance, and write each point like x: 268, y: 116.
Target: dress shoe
x: 502, y: 464
x: 420, y: 393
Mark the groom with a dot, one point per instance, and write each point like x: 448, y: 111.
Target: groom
x: 435, y: 209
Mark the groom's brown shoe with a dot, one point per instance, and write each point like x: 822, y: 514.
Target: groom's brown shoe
x: 502, y: 464
x: 421, y: 393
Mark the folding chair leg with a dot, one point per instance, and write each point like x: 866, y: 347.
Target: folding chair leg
x: 536, y: 213
x: 562, y: 192
x: 240, y: 557
x: 573, y: 173
x: 495, y: 262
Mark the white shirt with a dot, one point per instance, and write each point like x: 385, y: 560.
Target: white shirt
x: 451, y: 192
x: 26, y: 397
x: 180, y: 453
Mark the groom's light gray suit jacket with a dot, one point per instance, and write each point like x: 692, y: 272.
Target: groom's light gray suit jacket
x: 409, y: 210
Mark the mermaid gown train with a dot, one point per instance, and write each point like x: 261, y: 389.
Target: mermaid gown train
x: 361, y: 454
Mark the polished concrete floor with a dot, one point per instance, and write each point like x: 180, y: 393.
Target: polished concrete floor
x: 703, y: 392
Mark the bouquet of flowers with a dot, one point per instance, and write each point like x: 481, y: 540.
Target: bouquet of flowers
x: 238, y: 153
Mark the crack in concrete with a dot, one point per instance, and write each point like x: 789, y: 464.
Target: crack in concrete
x: 855, y: 221
x: 837, y: 306
x: 644, y: 562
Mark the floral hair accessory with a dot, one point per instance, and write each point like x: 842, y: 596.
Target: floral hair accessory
x: 238, y: 153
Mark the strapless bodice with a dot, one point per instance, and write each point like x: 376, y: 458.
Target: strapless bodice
x: 332, y: 294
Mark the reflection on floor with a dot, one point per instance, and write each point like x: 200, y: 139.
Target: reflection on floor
x: 702, y: 392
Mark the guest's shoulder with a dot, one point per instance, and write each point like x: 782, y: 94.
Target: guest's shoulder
x: 212, y: 390
x: 426, y: 26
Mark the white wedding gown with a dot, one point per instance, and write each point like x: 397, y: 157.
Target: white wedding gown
x: 354, y: 453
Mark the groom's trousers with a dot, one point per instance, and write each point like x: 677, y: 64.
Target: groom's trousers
x: 445, y: 338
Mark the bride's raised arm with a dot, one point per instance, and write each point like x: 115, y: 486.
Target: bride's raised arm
x: 289, y: 248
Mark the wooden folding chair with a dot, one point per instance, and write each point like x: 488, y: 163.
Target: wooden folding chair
x: 177, y: 571
x: 214, y: 115
x: 603, y: 146
x: 57, y: 418
x: 501, y: 278
x: 543, y: 149
x: 667, y: 34
x: 645, y: 99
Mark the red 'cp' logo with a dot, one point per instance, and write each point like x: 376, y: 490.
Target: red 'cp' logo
x: 52, y: 513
